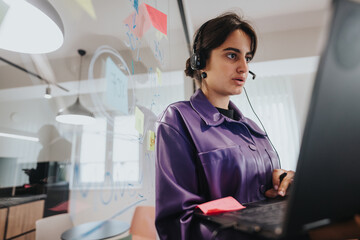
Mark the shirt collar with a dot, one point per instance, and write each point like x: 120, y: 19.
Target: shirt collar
x: 211, y: 116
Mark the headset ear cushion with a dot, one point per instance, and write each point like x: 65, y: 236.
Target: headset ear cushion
x: 201, y: 60
x: 194, y: 61
x: 197, y: 61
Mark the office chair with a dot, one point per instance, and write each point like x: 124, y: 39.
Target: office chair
x: 143, y: 223
x: 52, y: 227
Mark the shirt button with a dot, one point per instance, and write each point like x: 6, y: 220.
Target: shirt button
x: 252, y: 147
x: 262, y: 189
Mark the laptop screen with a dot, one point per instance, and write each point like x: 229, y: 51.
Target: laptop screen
x: 327, y: 182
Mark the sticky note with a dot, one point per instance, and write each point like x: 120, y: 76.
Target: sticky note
x: 139, y: 120
x: 151, y: 141
x: 220, y: 205
x: 158, y: 19
x: 116, y: 96
x: 158, y: 76
x: 3, y: 10
x: 136, y: 5
x: 159, y: 35
x: 140, y: 21
x: 88, y: 7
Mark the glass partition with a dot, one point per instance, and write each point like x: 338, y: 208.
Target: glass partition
x: 132, y: 69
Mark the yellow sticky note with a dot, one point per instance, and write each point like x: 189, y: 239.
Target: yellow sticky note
x: 159, y: 35
x: 3, y: 10
x: 158, y: 76
x: 151, y: 141
x: 139, y: 120
x: 88, y: 7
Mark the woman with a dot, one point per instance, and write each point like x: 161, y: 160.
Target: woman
x: 206, y: 148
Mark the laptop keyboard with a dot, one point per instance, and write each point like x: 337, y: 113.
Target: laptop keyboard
x: 265, y: 217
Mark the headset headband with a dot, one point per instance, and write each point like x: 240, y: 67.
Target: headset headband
x: 198, y: 35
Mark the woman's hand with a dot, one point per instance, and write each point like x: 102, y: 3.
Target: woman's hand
x: 280, y: 188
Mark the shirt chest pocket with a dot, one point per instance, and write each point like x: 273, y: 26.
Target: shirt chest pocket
x: 227, y: 170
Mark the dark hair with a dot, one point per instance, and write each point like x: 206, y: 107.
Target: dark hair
x: 214, y: 33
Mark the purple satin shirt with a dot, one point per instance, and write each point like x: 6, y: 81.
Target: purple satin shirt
x: 201, y: 155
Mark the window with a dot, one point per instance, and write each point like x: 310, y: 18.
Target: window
x: 93, y: 152
x: 272, y: 99
x: 125, y: 150
x: 96, y: 160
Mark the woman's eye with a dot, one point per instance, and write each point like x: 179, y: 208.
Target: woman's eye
x: 248, y: 59
x: 231, y: 55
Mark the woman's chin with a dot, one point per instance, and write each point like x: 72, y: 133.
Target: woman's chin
x: 237, y: 91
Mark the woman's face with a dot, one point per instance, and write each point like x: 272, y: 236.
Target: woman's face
x: 227, y: 67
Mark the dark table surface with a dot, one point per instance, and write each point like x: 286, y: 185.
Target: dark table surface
x: 12, y: 201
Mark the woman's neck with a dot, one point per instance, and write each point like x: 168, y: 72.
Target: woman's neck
x: 216, y: 100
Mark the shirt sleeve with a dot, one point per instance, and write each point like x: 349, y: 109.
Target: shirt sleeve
x: 177, y: 189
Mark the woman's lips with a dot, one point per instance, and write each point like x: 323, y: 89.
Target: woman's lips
x: 239, y: 81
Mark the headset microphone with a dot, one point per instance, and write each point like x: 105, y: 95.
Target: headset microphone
x: 253, y: 75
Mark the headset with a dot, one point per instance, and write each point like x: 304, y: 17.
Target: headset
x: 197, y: 58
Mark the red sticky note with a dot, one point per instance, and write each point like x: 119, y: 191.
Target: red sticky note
x: 220, y: 205
x: 158, y: 19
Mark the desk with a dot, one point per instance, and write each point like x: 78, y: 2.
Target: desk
x: 96, y: 230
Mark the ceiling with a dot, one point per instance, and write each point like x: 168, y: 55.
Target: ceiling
x: 255, y: 9
x: 103, y: 25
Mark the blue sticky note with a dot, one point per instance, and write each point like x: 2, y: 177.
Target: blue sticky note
x: 136, y: 5
x: 116, y: 87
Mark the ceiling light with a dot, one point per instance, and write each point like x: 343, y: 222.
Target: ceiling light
x: 18, y: 136
x: 31, y: 26
x: 47, y: 92
x: 76, y: 113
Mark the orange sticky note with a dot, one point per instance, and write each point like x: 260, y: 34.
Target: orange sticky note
x: 225, y: 204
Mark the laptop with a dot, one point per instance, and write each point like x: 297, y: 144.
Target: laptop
x: 326, y: 187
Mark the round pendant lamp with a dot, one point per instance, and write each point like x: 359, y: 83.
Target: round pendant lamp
x: 76, y: 113
x: 31, y: 26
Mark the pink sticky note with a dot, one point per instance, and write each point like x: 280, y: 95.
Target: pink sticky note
x: 147, y: 16
x: 158, y: 19
x: 220, y: 205
x: 139, y: 23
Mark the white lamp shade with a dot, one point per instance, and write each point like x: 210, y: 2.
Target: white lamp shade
x: 31, y: 26
x: 75, y: 114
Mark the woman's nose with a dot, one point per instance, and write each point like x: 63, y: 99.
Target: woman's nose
x: 242, y: 66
